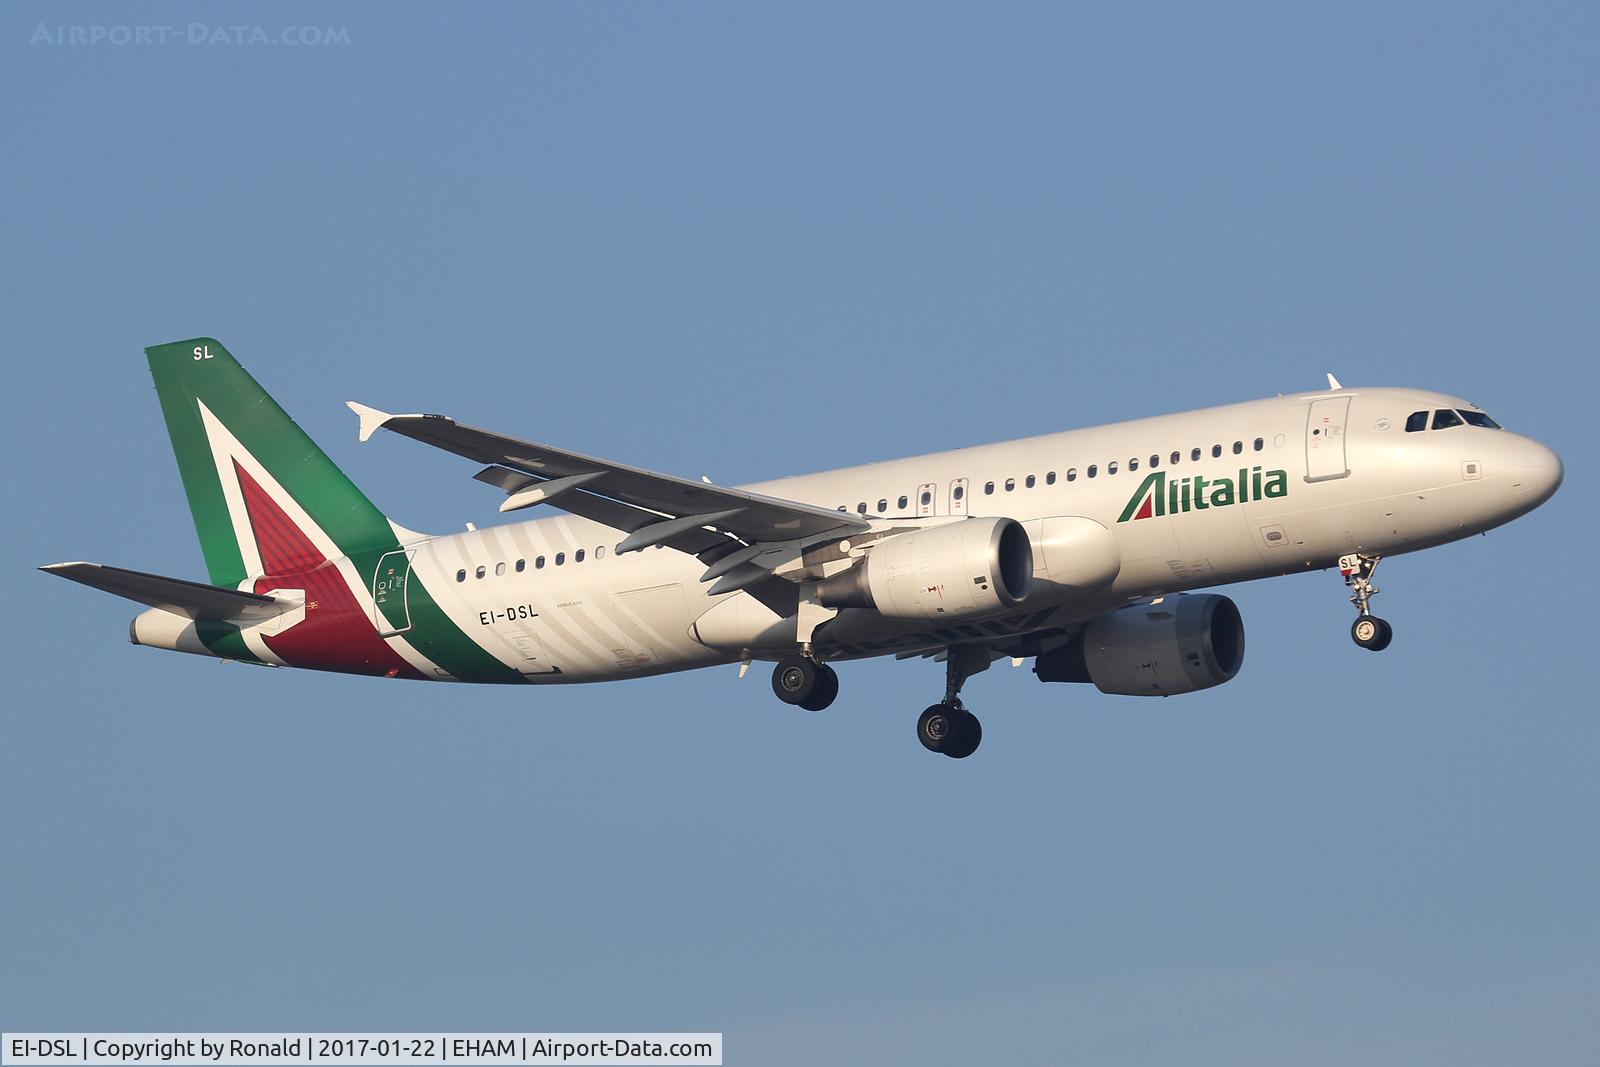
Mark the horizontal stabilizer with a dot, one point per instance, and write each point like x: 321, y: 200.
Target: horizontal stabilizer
x: 190, y: 599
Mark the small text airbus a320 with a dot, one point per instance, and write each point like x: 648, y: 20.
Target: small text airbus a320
x: 1079, y: 549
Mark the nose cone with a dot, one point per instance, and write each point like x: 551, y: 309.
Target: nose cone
x: 1536, y: 473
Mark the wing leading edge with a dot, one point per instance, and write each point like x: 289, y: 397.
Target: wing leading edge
x: 651, y: 508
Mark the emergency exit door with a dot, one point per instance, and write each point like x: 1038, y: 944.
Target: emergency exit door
x: 1325, y: 433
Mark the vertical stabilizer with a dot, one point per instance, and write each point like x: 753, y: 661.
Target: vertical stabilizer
x: 265, y: 498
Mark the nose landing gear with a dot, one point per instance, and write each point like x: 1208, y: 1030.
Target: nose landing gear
x: 1368, y: 631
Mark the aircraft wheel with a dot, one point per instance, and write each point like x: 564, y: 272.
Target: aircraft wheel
x: 826, y: 689
x: 795, y: 679
x: 1372, y: 633
x: 967, y: 739
x: 949, y: 729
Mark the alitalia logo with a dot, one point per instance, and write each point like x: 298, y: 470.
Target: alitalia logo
x: 1157, y: 495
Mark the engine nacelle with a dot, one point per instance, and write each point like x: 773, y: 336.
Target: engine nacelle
x: 961, y: 570
x: 1178, y: 645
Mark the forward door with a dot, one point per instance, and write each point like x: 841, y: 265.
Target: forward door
x: 1325, y: 433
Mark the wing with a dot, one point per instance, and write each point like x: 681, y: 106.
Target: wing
x: 710, y: 521
x: 190, y: 599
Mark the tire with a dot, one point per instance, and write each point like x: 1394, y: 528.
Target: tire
x: 1371, y: 633
x: 1385, y: 635
x: 968, y: 737
x: 938, y: 726
x: 795, y: 679
x: 824, y: 692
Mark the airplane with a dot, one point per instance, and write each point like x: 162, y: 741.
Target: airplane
x: 1079, y: 550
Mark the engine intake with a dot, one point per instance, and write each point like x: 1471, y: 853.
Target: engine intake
x: 961, y: 570
x: 1180, y: 645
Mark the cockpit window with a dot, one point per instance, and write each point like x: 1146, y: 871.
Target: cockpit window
x: 1478, y: 418
x: 1444, y: 418
x: 1417, y: 422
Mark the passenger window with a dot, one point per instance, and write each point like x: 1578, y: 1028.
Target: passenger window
x: 843, y: 508
x: 1011, y: 483
x: 461, y: 576
x: 883, y: 505
x: 1175, y: 458
x: 1050, y: 478
x: 1030, y: 481
x: 1072, y: 474
x: 1417, y: 422
x: 1444, y: 418
x: 479, y: 573
x: 1260, y: 444
x: 958, y: 492
x: 1195, y: 455
x: 1155, y: 461
x: 1479, y: 419
x: 1238, y: 447
x: 577, y: 557
x: 988, y: 488
x: 1133, y: 464
x: 903, y: 503
x: 522, y: 565
x: 1111, y: 468
x: 499, y: 570
x: 538, y: 564
x: 1216, y: 451
x: 861, y: 508
x: 1093, y: 470
x: 561, y: 557
x: 600, y: 552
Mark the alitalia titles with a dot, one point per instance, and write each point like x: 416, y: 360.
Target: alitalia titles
x: 1158, y: 495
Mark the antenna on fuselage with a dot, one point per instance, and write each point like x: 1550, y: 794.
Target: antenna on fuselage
x: 1333, y: 383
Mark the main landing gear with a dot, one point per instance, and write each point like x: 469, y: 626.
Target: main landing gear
x: 1368, y: 631
x: 948, y: 726
x: 805, y: 683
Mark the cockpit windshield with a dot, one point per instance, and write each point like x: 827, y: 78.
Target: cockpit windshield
x: 1445, y: 418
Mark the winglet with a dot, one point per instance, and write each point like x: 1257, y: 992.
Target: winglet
x: 372, y: 419
x: 1333, y: 383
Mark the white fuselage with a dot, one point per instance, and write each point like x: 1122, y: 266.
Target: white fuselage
x: 1352, y: 479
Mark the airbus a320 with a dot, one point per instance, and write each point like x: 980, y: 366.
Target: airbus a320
x: 1081, y: 551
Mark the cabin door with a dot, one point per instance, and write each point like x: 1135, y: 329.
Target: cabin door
x: 390, y: 609
x: 1325, y: 433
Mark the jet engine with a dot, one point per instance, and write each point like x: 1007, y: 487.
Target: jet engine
x: 1178, y: 644
x: 961, y: 570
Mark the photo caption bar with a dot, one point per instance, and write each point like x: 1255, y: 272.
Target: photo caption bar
x: 301, y: 1050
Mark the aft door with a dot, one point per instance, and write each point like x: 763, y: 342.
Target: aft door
x: 1325, y: 433
x: 390, y: 609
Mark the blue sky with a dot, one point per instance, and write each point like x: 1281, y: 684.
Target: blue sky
x: 749, y: 241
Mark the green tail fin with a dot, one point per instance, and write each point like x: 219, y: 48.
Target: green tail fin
x: 264, y: 496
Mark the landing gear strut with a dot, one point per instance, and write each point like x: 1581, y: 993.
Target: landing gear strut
x: 805, y: 683
x: 1368, y: 631
x: 948, y: 726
